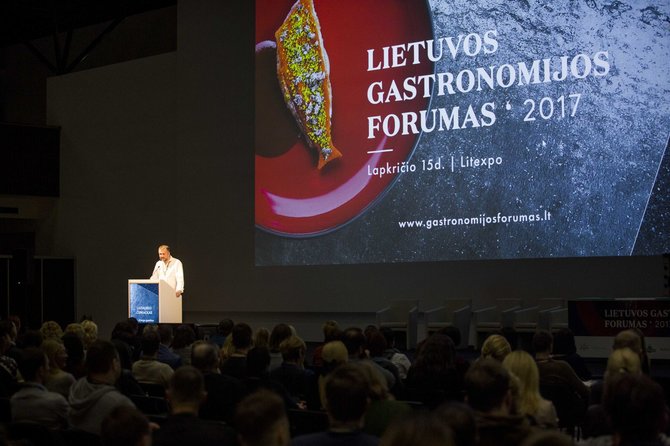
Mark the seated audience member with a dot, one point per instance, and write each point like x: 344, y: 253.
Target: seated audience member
x: 90, y: 332
x: 12, y: 350
x: 75, y: 355
x: 487, y: 390
x: 223, y: 392
x: 397, y: 358
x: 565, y: 349
x: 280, y: 332
x: 300, y: 383
x: 331, y: 332
x: 125, y: 426
x: 376, y: 346
x: 383, y: 410
x: 51, y: 330
x: 461, y: 420
x: 94, y: 396
x: 236, y: 364
x: 75, y: 328
x: 334, y: 355
x: 165, y: 353
x: 261, y: 420
x: 634, y: 340
x: 462, y: 364
x: 262, y: 337
x: 637, y: 410
x: 29, y: 338
x: 419, y: 429
x: 497, y: 347
x: 354, y: 340
x: 548, y: 438
x: 148, y: 369
x: 433, y: 377
x: 183, y: 427
x: 57, y: 380
x: 347, y: 399
x: 123, y: 331
x: 184, y: 337
x: 553, y: 371
x: 222, y: 331
x: 258, y: 376
x: 8, y: 366
x: 33, y: 402
x: 126, y: 384
x: 645, y: 361
x: 529, y: 402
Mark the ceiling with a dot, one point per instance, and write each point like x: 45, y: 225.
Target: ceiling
x: 26, y: 20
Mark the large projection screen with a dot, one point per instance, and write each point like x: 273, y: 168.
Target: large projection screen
x: 467, y: 130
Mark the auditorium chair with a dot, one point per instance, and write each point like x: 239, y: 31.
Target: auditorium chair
x: 401, y: 315
x: 454, y: 313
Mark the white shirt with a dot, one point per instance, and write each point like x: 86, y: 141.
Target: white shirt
x: 172, y: 272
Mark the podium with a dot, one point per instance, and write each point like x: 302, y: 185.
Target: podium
x: 153, y: 302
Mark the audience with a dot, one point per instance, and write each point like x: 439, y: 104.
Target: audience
x: 148, y: 369
x: 184, y: 337
x: 419, y: 429
x: 126, y: 426
x: 354, y: 340
x: 165, y: 353
x: 565, y: 349
x: 497, y: 347
x: 383, y: 410
x: 529, y: 403
x: 236, y: 364
x: 33, y: 402
x: 461, y: 419
x: 222, y: 331
x: 262, y: 337
x: 51, y: 330
x: 223, y: 392
x: 90, y: 329
x: 397, y: 358
x: 76, y: 355
x: 280, y: 332
x: 8, y: 366
x: 57, y: 379
x: 331, y: 332
x: 347, y: 399
x: 261, y: 420
x: 94, y: 396
x: 300, y: 383
x: 186, y: 393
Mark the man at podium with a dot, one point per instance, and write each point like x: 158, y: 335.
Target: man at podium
x: 169, y: 269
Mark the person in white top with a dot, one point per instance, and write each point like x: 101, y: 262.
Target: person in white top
x: 169, y: 269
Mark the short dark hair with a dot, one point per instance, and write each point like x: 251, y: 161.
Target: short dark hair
x: 151, y: 342
x: 636, y: 406
x: 187, y: 385
x: 347, y: 392
x: 280, y: 332
x: 258, y: 361
x: 100, y: 356
x: 376, y: 344
x: 486, y: 384
x: 354, y: 340
x: 225, y: 327
x: 257, y: 414
x: 204, y: 355
x: 30, y: 361
x: 166, y: 333
x: 241, y: 335
x: 542, y: 341
x: 123, y: 426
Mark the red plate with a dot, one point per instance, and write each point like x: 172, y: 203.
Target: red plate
x: 293, y: 197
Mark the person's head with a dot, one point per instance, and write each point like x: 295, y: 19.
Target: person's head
x: 76, y: 329
x: 205, y: 356
x: 56, y: 354
x: 151, y: 341
x: 354, y: 340
x: 418, y: 429
x: 453, y: 332
x: 437, y: 354
x: 622, y: 361
x: 334, y: 353
x: 262, y: 337
x: 51, y: 330
x: 279, y: 333
x: 376, y: 344
x: 74, y: 346
x: 487, y: 386
x: 134, y: 324
x: 123, y: 330
x: 636, y: 407
x: 102, y: 362
x: 331, y: 331
x: 149, y: 327
x: 125, y: 426
x: 241, y: 337
x: 5, y: 335
x: 628, y: 339
x: 186, y: 390
x: 461, y: 420
x: 564, y: 342
x: 30, y: 338
x: 260, y: 420
x: 347, y: 394
x: 125, y: 353
x: 184, y: 336
x: 33, y: 364
x: 543, y: 342
x: 164, y: 253
x: 90, y: 329
x: 523, y: 366
x: 497, y: 347
x: 225, y: 327
x: 293, y: 349
x: 165, y: 333
x: 377, y: 386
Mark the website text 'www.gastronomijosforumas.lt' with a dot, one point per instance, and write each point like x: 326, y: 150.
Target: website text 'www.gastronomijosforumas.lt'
x: 479, y: 220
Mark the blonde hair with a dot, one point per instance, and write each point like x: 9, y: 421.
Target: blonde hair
x: 262, y: 337
x: 523, y: 366
x: 51, y: 330
x: 623, y: 360
x: 76, y: 329
x: 90, y: 329
x: 51, y: 347
x: 496, y: 347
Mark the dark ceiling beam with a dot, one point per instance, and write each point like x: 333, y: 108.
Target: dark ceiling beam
x: 91, y: 46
